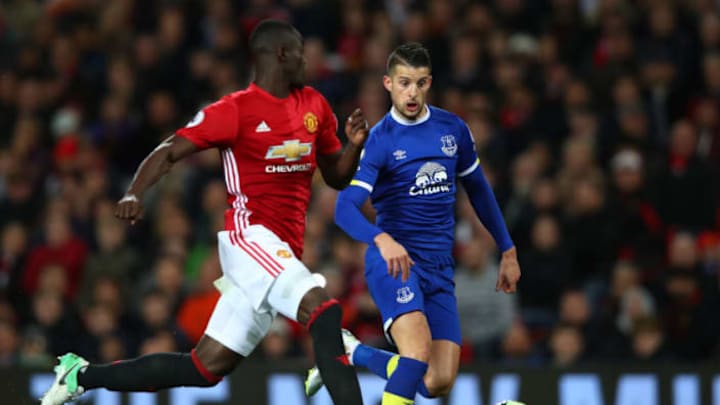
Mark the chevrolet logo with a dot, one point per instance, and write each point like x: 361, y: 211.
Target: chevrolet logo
x: 290, y: 150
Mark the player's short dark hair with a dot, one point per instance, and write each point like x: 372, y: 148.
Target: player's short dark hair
x: 269, y: 34
x: 410, y: 54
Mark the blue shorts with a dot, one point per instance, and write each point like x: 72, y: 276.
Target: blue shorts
x: 430, y: 290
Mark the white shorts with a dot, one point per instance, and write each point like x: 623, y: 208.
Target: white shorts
x: 262, y: 277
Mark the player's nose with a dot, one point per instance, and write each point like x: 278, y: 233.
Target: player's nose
x: 413, y: 92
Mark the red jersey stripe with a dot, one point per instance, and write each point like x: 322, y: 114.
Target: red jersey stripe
x: 242, y: 244
x: 259, y: 252
x: 267, y: 255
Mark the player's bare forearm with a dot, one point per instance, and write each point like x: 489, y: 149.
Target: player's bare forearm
x: 152, y: 168
x: 397, y: 258
x: 338, y: 169
x: 155, y: 165
x: 348, y: 163
x: 158, y: 163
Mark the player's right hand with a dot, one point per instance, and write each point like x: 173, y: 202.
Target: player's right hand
x: 129, y: 208
x: 397, y: 258
x: 357, y: 128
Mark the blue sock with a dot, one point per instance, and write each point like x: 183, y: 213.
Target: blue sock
x: 373, y: 359
x: 405, y: 376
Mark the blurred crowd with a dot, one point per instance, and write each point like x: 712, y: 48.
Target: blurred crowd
x: 597, y: 123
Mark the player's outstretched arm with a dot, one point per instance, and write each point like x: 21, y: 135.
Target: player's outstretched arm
x: 152, y: 168
x: 338, y: 168
x: 486, y: 207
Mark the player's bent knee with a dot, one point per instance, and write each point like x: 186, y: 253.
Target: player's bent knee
x: 314, y: 302
x: 440, y: 390
x: 439, y: 385
x: 213, y: 360
x: 420, y: 353
x: 329, y: 311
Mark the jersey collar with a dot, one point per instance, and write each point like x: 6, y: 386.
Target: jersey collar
x: 404, y: 121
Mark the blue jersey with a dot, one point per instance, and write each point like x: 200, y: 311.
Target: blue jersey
x: 410, y: 169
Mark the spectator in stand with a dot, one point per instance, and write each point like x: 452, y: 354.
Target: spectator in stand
x: 567, y: 346
x: 684, y: 199
x: 9, y: 343
x: 709, y: 31
x: 112, y: 259
x: 60, y: 248
x: 544, y: 200
x: 648, y: 342
x: 706, y: 118
x: 576, y: 309
x: 688, y: 309
x: 13, y: 250
x: 590, y: 232
x: 709, y: 247
x: 548, y: 270
x: 517, y: 347
x: 195, y: 310
x: 168, y: 278
x: 33, y: 351
x: 18, y: 200
x: 51, y: 314
x: 277, y: 344
x: 485, y: 316
x: 156, y: 319
x: 637, y: 216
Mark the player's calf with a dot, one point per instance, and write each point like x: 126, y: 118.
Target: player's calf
x: 322, y: 316
x: 205, y: 366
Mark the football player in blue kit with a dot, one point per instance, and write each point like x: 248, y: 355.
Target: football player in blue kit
x: 409, y: 168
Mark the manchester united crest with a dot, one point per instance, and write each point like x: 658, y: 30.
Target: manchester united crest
x: 311, y: 122
x: 284, y: 254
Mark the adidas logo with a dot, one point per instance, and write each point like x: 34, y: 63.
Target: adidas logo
x: 263, y: 127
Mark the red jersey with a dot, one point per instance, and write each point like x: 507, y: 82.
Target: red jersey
x: 268, y: 147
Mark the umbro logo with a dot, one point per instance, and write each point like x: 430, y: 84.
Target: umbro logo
x: 263, y: 127
x: 400, y: 154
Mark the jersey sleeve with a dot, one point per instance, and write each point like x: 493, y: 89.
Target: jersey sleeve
x: 216, y: 125
x: 468, y: 160
x: 327, y: 140
x: 372, y: 160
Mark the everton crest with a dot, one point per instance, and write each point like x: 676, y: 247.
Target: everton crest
x: 449, y: 147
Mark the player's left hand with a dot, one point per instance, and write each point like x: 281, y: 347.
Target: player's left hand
x: 509, y: 272
x: 357, y: 128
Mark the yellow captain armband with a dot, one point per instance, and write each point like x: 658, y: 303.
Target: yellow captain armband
x: 470, y: 169
x: 362, y: 184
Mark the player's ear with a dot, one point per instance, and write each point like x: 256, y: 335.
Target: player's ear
x: 387, y: 82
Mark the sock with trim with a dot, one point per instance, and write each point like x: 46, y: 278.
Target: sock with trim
x: 404, y: 376
x: 149, y: 373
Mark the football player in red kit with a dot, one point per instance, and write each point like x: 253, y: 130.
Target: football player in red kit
x: 271, y: 137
